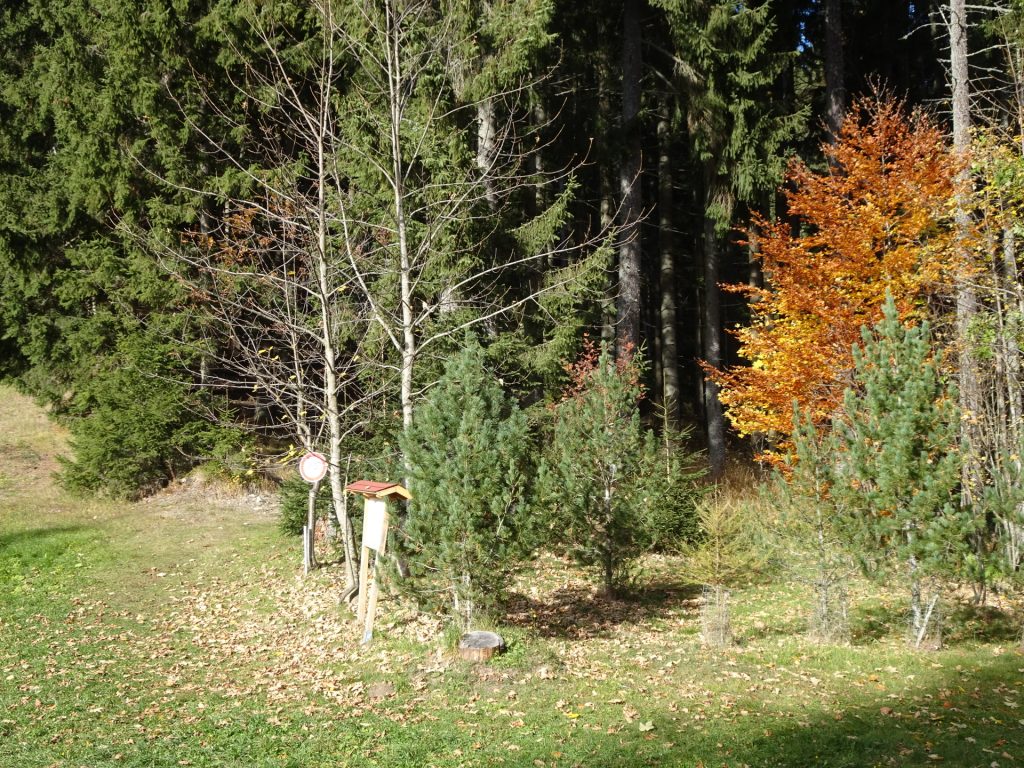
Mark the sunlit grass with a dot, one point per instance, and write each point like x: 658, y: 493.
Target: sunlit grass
x: 178, y: 632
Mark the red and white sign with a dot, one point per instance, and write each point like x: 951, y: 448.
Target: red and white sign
x: 313, y: 467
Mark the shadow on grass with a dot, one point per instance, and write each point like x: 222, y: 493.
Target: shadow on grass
x: 578, y: 613
x: 36, y: 536
x: 951, y: 720
x: 981, y: 623
x: 873, y: 620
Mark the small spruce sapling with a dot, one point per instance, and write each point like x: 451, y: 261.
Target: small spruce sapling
x: 727, y: 553
x: 604, y: 486
x: 673, y: 491
x: 897, y: 467
x: 294, y: 496
x: 467, y: 454
x: 808, y: 529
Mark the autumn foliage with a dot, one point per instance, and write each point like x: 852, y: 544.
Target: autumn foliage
x: 880, y: 218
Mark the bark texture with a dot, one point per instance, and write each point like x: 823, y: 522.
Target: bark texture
x: 835, y: 87
x: 628, y: 307
x: 966, y: 296
x: 712, y: 336
x: 669, y: 350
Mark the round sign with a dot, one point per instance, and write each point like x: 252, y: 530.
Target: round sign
x: 313, y: 467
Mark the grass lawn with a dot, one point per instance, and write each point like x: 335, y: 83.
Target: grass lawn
x: 179, y: 631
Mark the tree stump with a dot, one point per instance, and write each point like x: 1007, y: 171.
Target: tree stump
x: 480, y: 646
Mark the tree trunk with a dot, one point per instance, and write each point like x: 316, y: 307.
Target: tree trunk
x: 608, y: 574
x: 966, y: 297
x: 712, y: 333
x: 486, y: 148
x: 540, y: 189
x: 331, y: 377
x: 607, y: 556
x: 835, y: 88
x: 1012, y: 345
x: 464, y: 604
x: 607, y: 222
x: 395, y: 97
x: 755, y: 277
x: 668, y: 316
x: 628, y: 309
x: 916, y: 612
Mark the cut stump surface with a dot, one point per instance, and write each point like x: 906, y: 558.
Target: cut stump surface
x: 480, y: 646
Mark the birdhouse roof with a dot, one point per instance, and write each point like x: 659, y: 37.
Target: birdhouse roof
x: 378, y: 490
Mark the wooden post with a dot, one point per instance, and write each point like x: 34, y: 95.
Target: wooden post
x: 371, y: 608
x: 364, y: 574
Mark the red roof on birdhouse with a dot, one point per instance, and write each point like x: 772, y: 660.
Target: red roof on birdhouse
x: 377, y: 489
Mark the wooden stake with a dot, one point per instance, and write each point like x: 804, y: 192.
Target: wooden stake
x: 371, y: 608
x: 364, y: 575
x: 305, y: 550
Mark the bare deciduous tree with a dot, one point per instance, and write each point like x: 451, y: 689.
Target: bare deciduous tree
x: 370, y: 230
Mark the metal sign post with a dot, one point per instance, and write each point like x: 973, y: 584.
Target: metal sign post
x: 313, y: 469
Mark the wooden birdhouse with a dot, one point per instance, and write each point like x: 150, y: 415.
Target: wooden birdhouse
x: 371, y: 489
x: 375, y: 537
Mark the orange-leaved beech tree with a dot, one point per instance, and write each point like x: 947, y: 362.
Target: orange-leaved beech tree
x: 879, y: 219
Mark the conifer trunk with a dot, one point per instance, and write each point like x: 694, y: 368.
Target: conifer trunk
x: 608, y: 300
x: 712, y: 333
x: 835, y: 87
x: 916, y: 613
x: 667, y: 280
x: 966, y: 297
x: 607, y: 556
x: 628, y: 306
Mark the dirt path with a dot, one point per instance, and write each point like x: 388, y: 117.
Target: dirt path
x: 159, y: 545
x: 31, y: 444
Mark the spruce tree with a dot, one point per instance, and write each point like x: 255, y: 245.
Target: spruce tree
x: 601, y: 476
x: 467, y: 453
x: 897, y: 467
x: 728, y: 68
x: 809, y: 531
x: 93, y: 109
